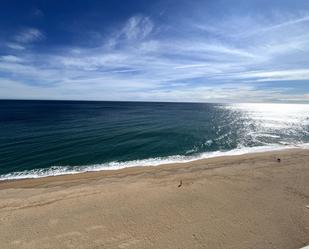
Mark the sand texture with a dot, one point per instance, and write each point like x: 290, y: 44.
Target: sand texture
x: 249, y: 201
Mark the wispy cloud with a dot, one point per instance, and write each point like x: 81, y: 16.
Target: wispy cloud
x: 284, y: 75
x: 29, y: 35
x: 287, y: 23
x: 10, y: 59
x: 140, y: 60
x: 137, y: 27
x: 15, y: 46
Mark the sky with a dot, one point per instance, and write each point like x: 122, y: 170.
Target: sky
x: 169, y: 50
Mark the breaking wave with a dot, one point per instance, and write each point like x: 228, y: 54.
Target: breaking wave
x: 67, y: 170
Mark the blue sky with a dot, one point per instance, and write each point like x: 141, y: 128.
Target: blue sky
x: 172, y: 50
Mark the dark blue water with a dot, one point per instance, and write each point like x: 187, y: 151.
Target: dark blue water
x: 39, y: 138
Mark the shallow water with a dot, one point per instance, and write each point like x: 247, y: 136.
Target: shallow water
x: 40, y: 138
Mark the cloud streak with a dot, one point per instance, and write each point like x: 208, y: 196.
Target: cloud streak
x: 29, y: 35
x: 145, y: 59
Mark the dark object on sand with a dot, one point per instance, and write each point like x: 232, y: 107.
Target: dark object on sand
x: 180, y: 184
x: 278, y: 160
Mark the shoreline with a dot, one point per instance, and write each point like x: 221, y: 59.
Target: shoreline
x: 138, y: 169
x: 143, y: 162
x: 246, y: 201
x: 211, y: 163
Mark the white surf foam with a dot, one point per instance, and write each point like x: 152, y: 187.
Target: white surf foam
x: 67, y: 170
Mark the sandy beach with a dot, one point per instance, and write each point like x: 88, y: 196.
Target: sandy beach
x: 248, y: 201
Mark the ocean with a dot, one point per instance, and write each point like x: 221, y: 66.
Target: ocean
x: 43, y: 138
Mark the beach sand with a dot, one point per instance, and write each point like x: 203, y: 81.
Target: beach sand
x: 248, y: 201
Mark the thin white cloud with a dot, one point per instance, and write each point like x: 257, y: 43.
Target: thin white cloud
x: 10, y: 58
x: 29, y: 35
x: 296, y: 74
x: 285, y: 24
x: 15, y: 46
x: 125, y: 90
x: 134, y: 64
x: 207, y: 47
x: 137, y: 27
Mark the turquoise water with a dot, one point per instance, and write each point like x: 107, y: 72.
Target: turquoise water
x: 40, y: 138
